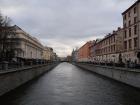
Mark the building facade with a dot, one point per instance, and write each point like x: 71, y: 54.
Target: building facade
x: 84, y: 52
x: 120, y: 46
x: 55, y: 57
x: 49, y: 54
x: 91, y: 51
x: 109, y: 48
x: 131, y: 38
x: 24, y: 46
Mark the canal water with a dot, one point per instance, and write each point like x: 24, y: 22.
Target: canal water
x: 69, y: 85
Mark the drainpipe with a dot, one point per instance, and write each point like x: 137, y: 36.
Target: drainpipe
x: 137, y: 5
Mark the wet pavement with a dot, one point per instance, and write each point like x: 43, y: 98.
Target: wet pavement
x: 69, y: 85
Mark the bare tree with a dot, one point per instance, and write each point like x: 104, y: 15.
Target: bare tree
x: 6, y: 33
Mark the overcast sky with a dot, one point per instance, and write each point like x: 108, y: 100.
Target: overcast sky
x: 66, y: 24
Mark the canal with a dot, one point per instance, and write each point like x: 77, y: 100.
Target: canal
x: 69, y: 85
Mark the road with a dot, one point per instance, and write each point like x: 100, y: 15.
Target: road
x: 69, y: 85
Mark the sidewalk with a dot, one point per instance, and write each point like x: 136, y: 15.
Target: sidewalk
x: 20, y: 68
x: 114, y: 67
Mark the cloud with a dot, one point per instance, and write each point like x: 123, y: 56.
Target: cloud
x: 65, y: 24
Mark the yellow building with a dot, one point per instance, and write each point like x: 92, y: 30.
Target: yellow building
x: 47, y: 53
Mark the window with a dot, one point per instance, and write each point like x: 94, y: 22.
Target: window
x: 130, y: 43
x: 114, y: 47
x: 129, y: 23
x: 135, y: 19
x: 124, y: 25
x: 125, y: 34
x: 111, y: 49
x: 135, y: 42
x: 109, y: 40
x: 124, y: 17
x: 129, y: 14
x: 135, y: 29
x: 23, y: 54
x: 129, y: 32
x: 125, y: 45
x: 135, y: 10
x: 114, y: 38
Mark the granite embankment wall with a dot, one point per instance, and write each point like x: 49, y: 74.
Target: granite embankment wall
x: 127, y: 76
x: 11, y: 79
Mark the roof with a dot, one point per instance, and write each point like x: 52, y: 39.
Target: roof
x: 131, y: 7
x: 106, y: 37
x: 29, y: 36
x: 89, y: 42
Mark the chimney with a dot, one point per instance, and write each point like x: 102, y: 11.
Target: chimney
x: 119, y: 28
x: 114, y: 31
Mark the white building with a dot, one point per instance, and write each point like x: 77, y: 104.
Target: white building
x: 26, y: 46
